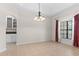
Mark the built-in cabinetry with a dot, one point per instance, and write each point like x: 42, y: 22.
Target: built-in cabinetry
x: 11, y: 25
x: 11, y: 29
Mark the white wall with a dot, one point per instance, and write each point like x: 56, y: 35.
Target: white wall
x: 30, y: 31
x: 53, y: 29
x: 65, y: 14
x: 2, y: 33
x: 5, y: 10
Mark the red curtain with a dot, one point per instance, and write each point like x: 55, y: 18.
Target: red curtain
x: 56, y: 36
x: 76, y: 30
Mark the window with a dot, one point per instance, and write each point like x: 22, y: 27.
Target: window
x: 66, y: 29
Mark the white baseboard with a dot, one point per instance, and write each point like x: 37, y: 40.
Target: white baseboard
x: 31, y: 42
x: 2, y: 50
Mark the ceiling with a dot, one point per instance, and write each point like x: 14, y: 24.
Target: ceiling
x: 48, y: 9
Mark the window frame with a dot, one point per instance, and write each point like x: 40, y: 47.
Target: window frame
x: 64, y: 32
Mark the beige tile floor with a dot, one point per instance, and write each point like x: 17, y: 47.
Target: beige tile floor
x: 41, y: 49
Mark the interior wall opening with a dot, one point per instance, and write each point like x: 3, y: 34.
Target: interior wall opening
x: 11, y: 30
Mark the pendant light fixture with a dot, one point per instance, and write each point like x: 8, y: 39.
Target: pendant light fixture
x: 39, y: 17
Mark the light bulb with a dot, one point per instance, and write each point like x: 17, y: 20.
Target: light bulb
x: 35, y: 18
x: 39, y: 18
x: 42, y: 18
